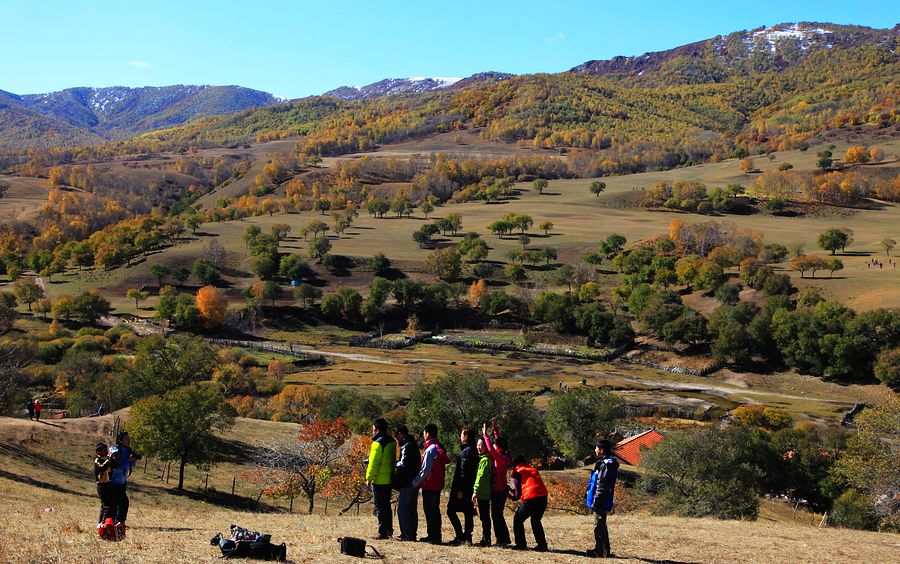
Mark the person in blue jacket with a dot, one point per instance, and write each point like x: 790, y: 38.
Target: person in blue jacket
x: 124, y: 458
x: 600, y: 496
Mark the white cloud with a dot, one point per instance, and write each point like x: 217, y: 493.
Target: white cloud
x: 140, y: 64
x: 556, y: 38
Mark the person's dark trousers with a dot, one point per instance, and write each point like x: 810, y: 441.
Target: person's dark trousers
x: 121, y: 496
x: 498, y: 504
x: 431, y: 506
x: 107, y: 501
x: 382, y: 495
x: 484, y: 513
x: 530, y: 509
x: 463, y: 506
x: 601, y: 534
x: 408, y: 513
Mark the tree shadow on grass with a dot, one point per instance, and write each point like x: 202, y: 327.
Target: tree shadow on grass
x: 40, y: 484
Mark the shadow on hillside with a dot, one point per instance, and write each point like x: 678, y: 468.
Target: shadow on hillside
x: 39, y: 484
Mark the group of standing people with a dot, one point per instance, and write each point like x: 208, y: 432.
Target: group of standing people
x: 112, y: 466
x: 34, y: 409
x: 479, y: 486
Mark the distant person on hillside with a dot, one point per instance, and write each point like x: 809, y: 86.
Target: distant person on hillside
x: 481, y: 497
x: 529, y: 488
x: 600, y: 496
x: 502, y: 461
x: 406, y: 470
x: 431, y: 480
x: 379, y: 475
x: 461, y: 489
x: 30, y: 407
x: 103, y: 467
x: 124, y: 458
x: 37, y: 410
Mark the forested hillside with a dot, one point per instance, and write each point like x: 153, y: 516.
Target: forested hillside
x: 687, y: 109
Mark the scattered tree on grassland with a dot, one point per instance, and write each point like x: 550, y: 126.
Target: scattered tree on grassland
x: 811, y: 262
x: 179, y: 425
x: 163, y: 364
x: 540, y: 184
x: 834, y: 239
x: 27, y: 291
x: 888, y: 245
x: 137, y: 295
x: 597, y: 187
x: 307, y: 294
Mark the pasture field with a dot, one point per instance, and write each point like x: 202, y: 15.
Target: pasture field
x: 45, y: 483
x: 580, y: 222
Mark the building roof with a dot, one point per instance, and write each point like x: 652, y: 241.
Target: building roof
x: 629, y: 450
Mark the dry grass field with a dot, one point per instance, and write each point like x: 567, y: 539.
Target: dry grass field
x: 49, y: 505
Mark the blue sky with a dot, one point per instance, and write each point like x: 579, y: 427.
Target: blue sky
x: 297, y: 48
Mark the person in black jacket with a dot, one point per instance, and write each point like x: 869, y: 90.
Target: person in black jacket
x: 103, y: 466
x: 407, y: 468
x: 461, y: 489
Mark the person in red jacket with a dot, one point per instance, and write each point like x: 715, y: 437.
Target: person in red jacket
x: 530, y: 490
x: 431, y: 480
x: 37, y: 410
x: 502, y: 461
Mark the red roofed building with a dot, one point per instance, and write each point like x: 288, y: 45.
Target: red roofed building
x: 629, y: 450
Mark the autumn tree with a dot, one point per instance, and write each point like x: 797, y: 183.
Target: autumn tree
x: 308, y: 464
x: 212, y: 305
x: 597, y: 187
x: 888, y: 245
x: 803, y: 263
x: 179, y: 426
x: 444, y: 263
x: 348, y: 480
x: 546, y: 227
x: 856, y: 155
x: 540, y: 184
x: 747, y: 165
x: 476, y: 290
x: 160, y: 272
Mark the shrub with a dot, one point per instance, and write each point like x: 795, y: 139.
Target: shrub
x: 854, y: 511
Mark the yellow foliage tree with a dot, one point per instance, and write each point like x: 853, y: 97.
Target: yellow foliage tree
x: 476, y: 290
x: 212, y: 306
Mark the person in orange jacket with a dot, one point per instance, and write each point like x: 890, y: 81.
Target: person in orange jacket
x: 530, y: 490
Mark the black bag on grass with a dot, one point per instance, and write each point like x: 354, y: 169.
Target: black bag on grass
x: 352, y: 546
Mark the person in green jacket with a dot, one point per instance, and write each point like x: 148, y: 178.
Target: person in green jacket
x: 380, y: 473
x: 481, y: 497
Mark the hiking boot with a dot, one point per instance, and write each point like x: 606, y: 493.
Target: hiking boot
x: 516, y: 547
x: 483, y: 543
x: 593, y: 553
x: 540, y: 548
x: 120, y: 531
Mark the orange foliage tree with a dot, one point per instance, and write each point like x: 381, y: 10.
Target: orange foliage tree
x: 476, y: 290
x: 349, y: 478
x: 212, y: 306
x: 306, y: 466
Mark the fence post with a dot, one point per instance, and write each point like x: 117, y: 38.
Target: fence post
x: 168, y: 471
x: 326, y: 506
x: 233, y: 480
x: 206, y: 484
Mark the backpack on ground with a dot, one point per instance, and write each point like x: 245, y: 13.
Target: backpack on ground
x: 247, y: 544
x: 352, y: 546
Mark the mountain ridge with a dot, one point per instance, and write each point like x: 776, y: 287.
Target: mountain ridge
x: 118, y: 112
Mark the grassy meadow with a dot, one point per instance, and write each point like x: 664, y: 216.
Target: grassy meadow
x: 49, y: 503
